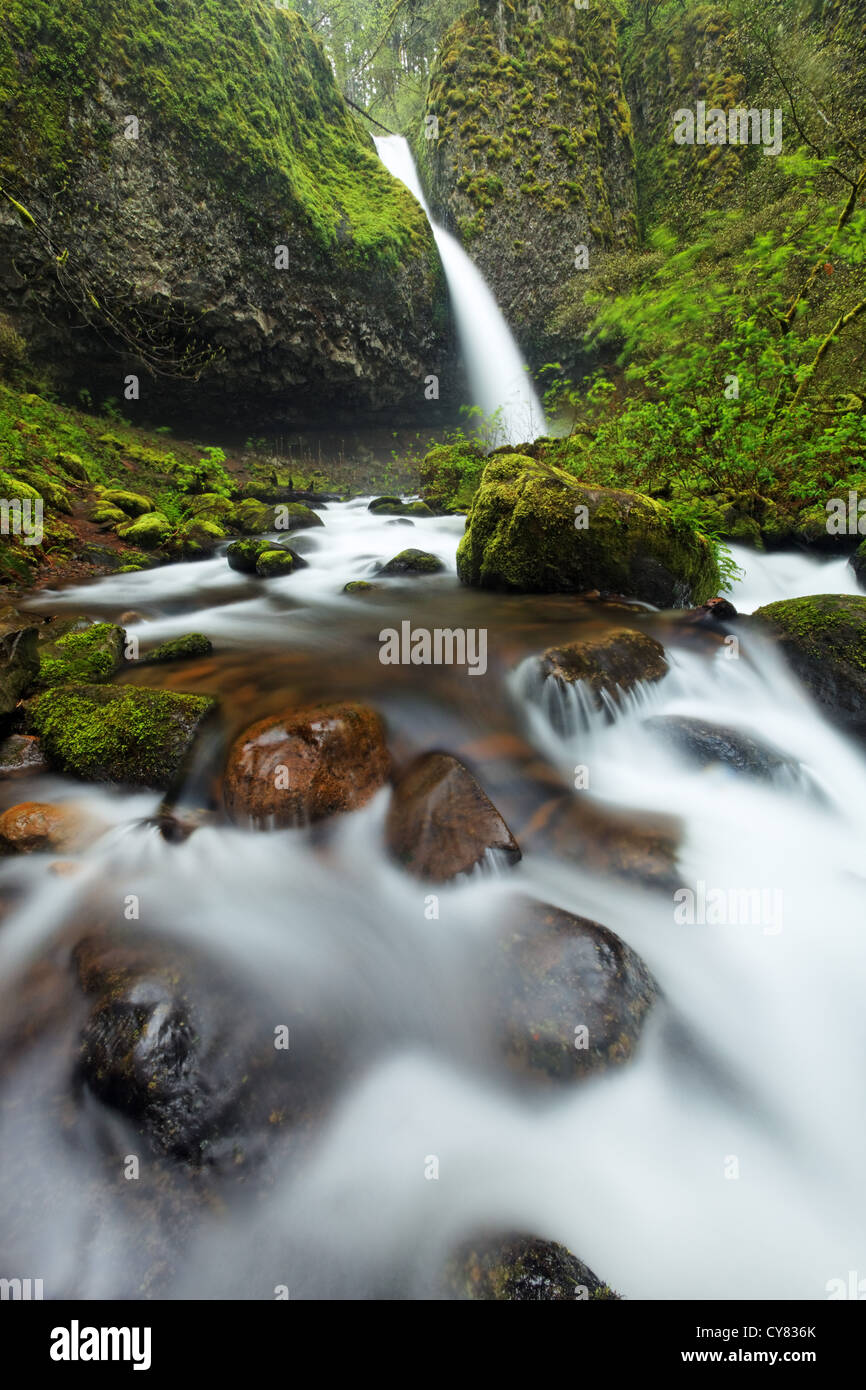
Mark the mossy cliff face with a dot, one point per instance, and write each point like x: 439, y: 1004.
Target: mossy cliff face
x: 534, y: 155
x: 534, y: 529
x: 823, y: 638
x: 244, y: 145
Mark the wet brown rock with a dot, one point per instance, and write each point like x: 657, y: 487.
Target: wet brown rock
x: 41, y: 825
x: 610, y: 665
x: 575, y: 995
x: 306, y: 764
x: 519, y: 1268
x: 21, y: 753
x: 440, y: 822
x: 631, y: 844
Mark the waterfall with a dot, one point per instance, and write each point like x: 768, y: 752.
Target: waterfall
x: 498, y: 375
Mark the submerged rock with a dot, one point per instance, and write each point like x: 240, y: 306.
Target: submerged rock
x: 119, y: 734
x: 519, y: 1268
x: 611, y: 665
x: 575, y: 996
x: 413, y: 562
x: 305, y: 765
x: 535, y: 529
x: 178, y: 649
x: 42, y: 825
x: 440, y: 822
x: 708, y: 744
x: 360, y: 586
x: 823, y: 638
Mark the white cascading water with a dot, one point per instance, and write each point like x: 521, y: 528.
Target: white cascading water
x: 725, y: 1161
x: 498, y: 376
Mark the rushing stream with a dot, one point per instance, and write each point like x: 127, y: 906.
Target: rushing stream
x: 724, y: 1161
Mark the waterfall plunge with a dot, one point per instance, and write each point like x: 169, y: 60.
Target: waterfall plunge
x: 498, y: 376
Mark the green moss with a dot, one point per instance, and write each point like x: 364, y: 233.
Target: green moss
x: 358, y: 586
x: 148, y: 531
x: 118, y: 734
x: 180, y: 649
x: 450, y: 475
x: 243, y: 555
x: 271, y: 563
x: 130, y: 503
x: 824, y: 627
x: 253, y: 517
x: 243, y: 85
x: 522, y: 534
x: 296, y: 516
x: 93, y: 655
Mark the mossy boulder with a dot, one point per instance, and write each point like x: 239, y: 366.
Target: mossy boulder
x: 535, y: 529
x: 90, y: 656
x: 253, y: 517
x: 271, y: 563
x: 823, y: 638
x: 150, y: 531
x: 103, y: 514
x: 412, y: 562
x: 359, y: 586
x: 211, y: 506
x: 194, y: 537
x: 179, y: 649
x: 130, y: 503
x: 243, y: 555
x: 296, y: 516
x: 451, y: 475
x: 72, y: 466
x: 118, y: 734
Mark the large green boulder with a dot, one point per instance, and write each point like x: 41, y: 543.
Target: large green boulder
x: 823, y: 638
x: 149, y: 531
x: 118, y: 734
x: 535, y: 529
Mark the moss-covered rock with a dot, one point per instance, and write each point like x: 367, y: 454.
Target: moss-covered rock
x: 412, y: 562
x: 823, y: 638
x: 271, y: 563
x: 194, y: 537
x: 130, y: 503
x: 241, y: 118
x: 359, y: 586
x: 88, y: 657
x: 253, y: 517
x: 105, y: 515
x: 179, y: 649
x: 450, y: 475
x: 118, y: 734
x: 150, y: 531
x: 533, y: 155
x: 534, y: 529
x: 243, y: 555
x: 296, y: 516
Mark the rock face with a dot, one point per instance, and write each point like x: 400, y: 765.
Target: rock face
x: 823, y: 638
x: 609, y: 666
x: 19, y: 663
x: 120, y: 734
x: 533, y: 158
x: 440, y: 822
x: 534, y: 529
x: 193, y: 178
x: 305, y: 765
x: 576, y: 996
x: 518, y: 1268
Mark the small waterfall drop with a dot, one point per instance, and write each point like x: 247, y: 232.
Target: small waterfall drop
x: 498, y: 376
